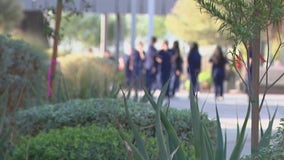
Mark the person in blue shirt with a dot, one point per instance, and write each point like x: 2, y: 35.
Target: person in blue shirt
x: 164, y: 59
x: 137, y: 66
x: 194, y: 66
x: 218, y: 61
x: 177, y: 67
x: 151, y: 70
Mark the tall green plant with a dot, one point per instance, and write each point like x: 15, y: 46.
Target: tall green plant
x: 244, y: 20
x: 204, y: 148
x: 169, y: 144
x: 84, y: 77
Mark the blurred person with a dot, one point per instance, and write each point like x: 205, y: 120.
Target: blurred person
x: 128, y: 68
x: 164, y: 59
x: 151, y: 69
x: 177, y: 67
x: 218, y: 61
x: 137, y: 66
x: 194, y: 66
x: 108, y: 55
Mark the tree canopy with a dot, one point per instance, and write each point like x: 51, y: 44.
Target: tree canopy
x: 86, y: 27
x: 188, y: 23
x: 11, y: 13
x: 81, y: 27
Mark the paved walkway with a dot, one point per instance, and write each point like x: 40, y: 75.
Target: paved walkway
x: 232, y: 109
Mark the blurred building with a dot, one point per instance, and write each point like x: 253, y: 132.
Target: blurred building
x: 162, y: 7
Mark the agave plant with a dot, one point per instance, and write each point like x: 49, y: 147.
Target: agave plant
x: 167, y: 139
x: 169, y: 144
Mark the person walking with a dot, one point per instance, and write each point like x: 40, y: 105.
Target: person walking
x: 137, y: 66
x: 164, y: 59
x: 194, y: 66
x: 151, y: 70
x: 177, y: 66
x: 128, y: 68
x: 218, y: 61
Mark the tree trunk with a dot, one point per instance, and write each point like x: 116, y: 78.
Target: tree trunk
x: 254, y: 88
x: 254, y: 98
x: 55, y: 47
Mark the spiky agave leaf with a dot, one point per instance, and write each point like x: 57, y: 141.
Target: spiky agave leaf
x: 240, y: 138
x: 139, y: 141
x: 173, y: 140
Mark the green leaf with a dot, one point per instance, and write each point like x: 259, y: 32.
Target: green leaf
x: 137, y: 154
x: 220, y: 147
x: 265, y: 139
x: 196, y: 122
x: 162, y: 94
x: 160, y: 136
x: 240, y: 139
x: 173, y: 139
x: 140, y: 143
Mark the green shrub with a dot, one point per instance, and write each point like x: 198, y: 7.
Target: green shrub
x: 76, y: 143
x: 205, y: 76
x: 86, y: 76
x: 274, y: 151
x: 278, y: 142
x: 5, y: 134
x: 21, y: 65
x: 102, y: 112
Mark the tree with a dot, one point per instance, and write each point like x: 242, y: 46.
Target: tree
x: 187, y: 22
x: 11, y: 13
x: 141, y: 26
x: 33, y: 27
x: 81, y: 27
x: 245, y: 20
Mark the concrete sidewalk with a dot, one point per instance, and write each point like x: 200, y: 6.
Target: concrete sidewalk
x: 232, y: 109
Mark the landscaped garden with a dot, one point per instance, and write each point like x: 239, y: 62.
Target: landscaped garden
x: 85, y: 115
x: 83, y: 111
x: 92, y: 122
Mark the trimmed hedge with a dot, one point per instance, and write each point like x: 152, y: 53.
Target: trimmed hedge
x: 82, y: 143
x: 76, y: 143
x: 102, y: 112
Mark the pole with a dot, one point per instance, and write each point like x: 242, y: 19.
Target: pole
x: 117, y: 39
x: 151, y: 13
x: 133, y: 22
x: 104, y: 33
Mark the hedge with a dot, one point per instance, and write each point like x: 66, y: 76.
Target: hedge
x: 103, y: 112
x: 76, y: 143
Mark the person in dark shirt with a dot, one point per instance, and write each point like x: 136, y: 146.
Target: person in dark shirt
x: 194, y: 66
x: 164, y: 59
x: 151, y: 70
x: 177, y: 67
x: 137, y: 66
x: 218, y: 61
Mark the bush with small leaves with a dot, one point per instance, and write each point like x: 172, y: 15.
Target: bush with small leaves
x: 274, y: 151
x: 76, y: 143
x: 22, y: 67
x: 103, y: 112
